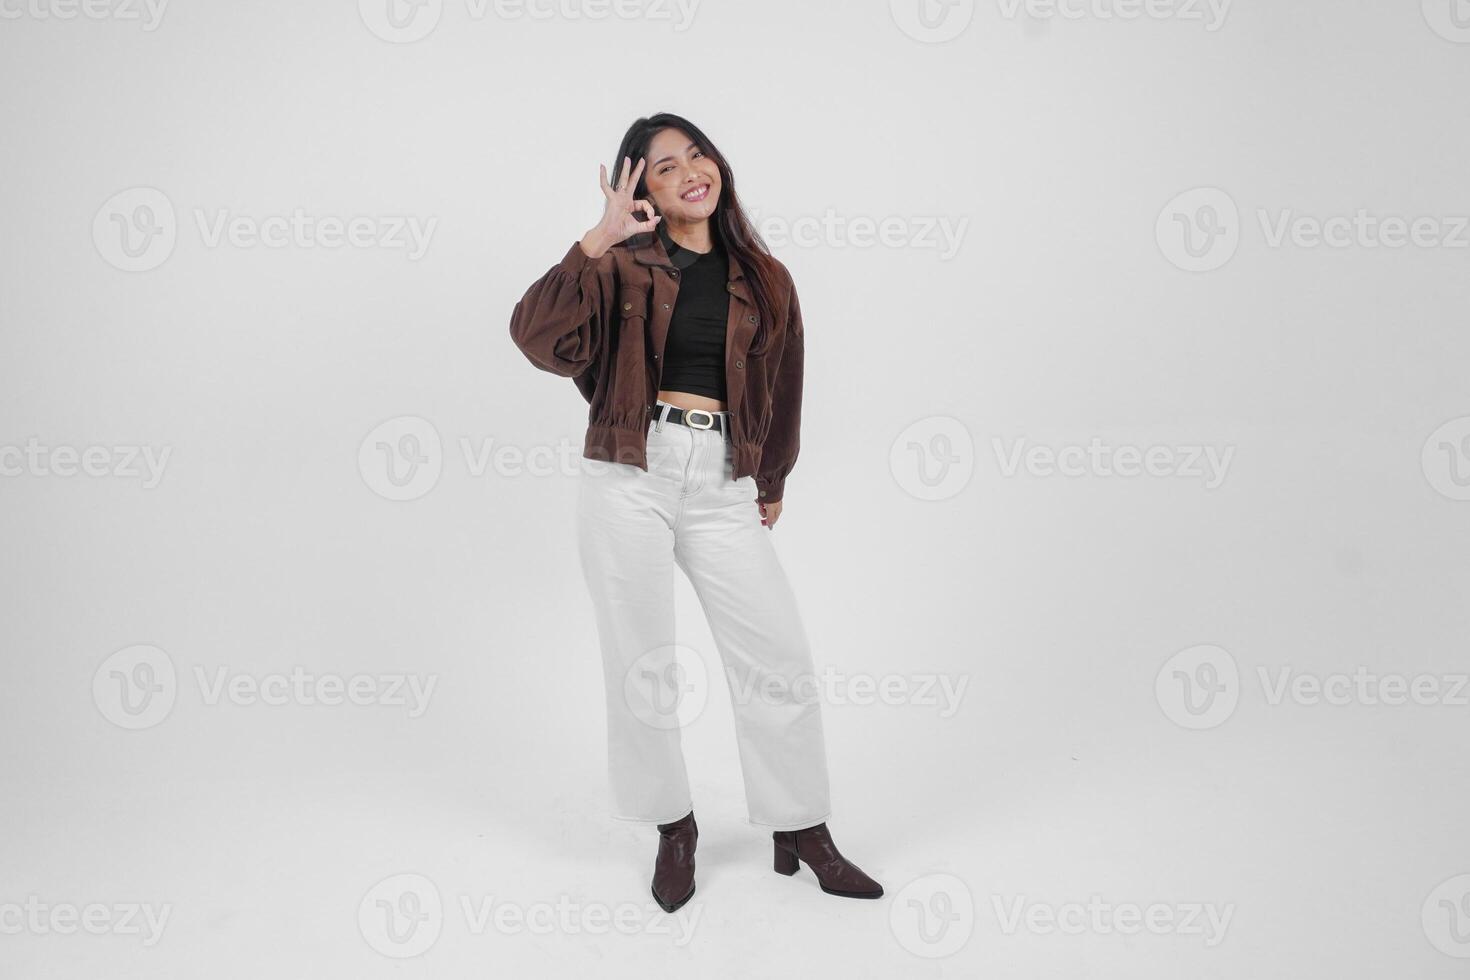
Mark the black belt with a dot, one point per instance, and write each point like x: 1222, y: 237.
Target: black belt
x: 700, y: 418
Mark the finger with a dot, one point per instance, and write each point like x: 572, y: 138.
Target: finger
x: 639, y: 169
x: 602, y: 179
x: 623, y: 180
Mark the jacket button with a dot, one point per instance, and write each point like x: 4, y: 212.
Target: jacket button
x: 763, y: 493
x: 752, y: 319
x: 666, y: 306
x: 627, y: 306
x: 730, y: 286
x: 673, y: 273
x: 740, y: 364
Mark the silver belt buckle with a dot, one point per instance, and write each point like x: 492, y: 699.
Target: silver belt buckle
x: 689, y: 413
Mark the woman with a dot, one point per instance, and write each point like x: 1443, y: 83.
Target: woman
x: 684, y: 335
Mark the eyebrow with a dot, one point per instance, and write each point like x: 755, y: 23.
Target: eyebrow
x: 660, y: 160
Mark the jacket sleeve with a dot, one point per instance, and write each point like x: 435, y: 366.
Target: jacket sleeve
x: 783, y: 440
x: 558, y: 324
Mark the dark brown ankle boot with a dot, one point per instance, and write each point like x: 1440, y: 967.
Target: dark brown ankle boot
x: 673, y: 870
x: 835, y: 873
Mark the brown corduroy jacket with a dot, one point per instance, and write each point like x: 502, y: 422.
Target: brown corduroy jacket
x: 603, y: 323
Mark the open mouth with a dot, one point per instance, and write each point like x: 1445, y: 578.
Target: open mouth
x: 697, y: 194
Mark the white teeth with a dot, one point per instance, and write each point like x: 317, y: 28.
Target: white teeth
x: 696, y: 193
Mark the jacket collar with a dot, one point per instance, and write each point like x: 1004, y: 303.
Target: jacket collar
x: 648, y: 249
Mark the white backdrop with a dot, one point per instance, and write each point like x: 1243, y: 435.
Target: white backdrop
x: 1129, y: 528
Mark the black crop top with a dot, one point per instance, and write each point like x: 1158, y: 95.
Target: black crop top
x: 694, y: 353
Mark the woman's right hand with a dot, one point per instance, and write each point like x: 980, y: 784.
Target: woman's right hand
x: 623, y: 217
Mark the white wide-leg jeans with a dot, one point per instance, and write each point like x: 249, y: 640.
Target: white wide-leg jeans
x: 633, y: 528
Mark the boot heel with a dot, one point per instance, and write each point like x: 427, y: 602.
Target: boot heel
x: 786, y: 863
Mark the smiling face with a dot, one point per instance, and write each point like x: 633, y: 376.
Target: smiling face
x: 682, y: 179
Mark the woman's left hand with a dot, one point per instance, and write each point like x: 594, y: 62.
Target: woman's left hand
x: 770, y: 513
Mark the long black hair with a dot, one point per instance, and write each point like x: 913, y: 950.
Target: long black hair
x: 734, y: 227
